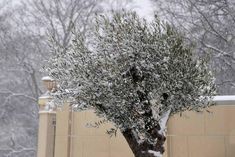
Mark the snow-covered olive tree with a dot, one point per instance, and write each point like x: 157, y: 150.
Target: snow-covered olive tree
x: 135, y: 74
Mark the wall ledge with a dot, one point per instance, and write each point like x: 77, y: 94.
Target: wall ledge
x: 224, y: 99
x: 47, y: 112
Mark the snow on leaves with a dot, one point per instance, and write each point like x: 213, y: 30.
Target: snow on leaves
x: 132, y: 73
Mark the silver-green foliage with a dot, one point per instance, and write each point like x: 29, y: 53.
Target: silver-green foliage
x: 132, y: 72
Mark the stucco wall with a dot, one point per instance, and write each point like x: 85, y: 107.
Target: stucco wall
x: 203, y: 134
x: 87, y: 141
x: 46, y: 134
x: 190, y: 135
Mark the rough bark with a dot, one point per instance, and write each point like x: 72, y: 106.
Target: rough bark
x: 142, y: 149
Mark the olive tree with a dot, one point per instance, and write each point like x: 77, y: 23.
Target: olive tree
x: 135, y: 74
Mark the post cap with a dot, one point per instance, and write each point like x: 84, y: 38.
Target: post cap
x: 49, y: 83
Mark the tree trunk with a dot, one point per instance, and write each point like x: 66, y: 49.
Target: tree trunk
x: 145, y: 149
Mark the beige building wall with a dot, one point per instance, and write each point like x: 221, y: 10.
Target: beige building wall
x: 79, y: 140
x: 190, y: 135
x: 203, y: 134
x: 62, y: 136
x: 46, y: 134
x: 94, y: 142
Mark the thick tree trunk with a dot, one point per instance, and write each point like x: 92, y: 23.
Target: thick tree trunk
x: 145, y: 149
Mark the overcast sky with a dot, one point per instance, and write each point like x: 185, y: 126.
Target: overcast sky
x: 144, y: 8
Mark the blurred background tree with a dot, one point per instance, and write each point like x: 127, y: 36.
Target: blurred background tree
x: 210, y: 24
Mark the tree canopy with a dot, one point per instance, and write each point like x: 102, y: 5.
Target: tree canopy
x: 133, y: 73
